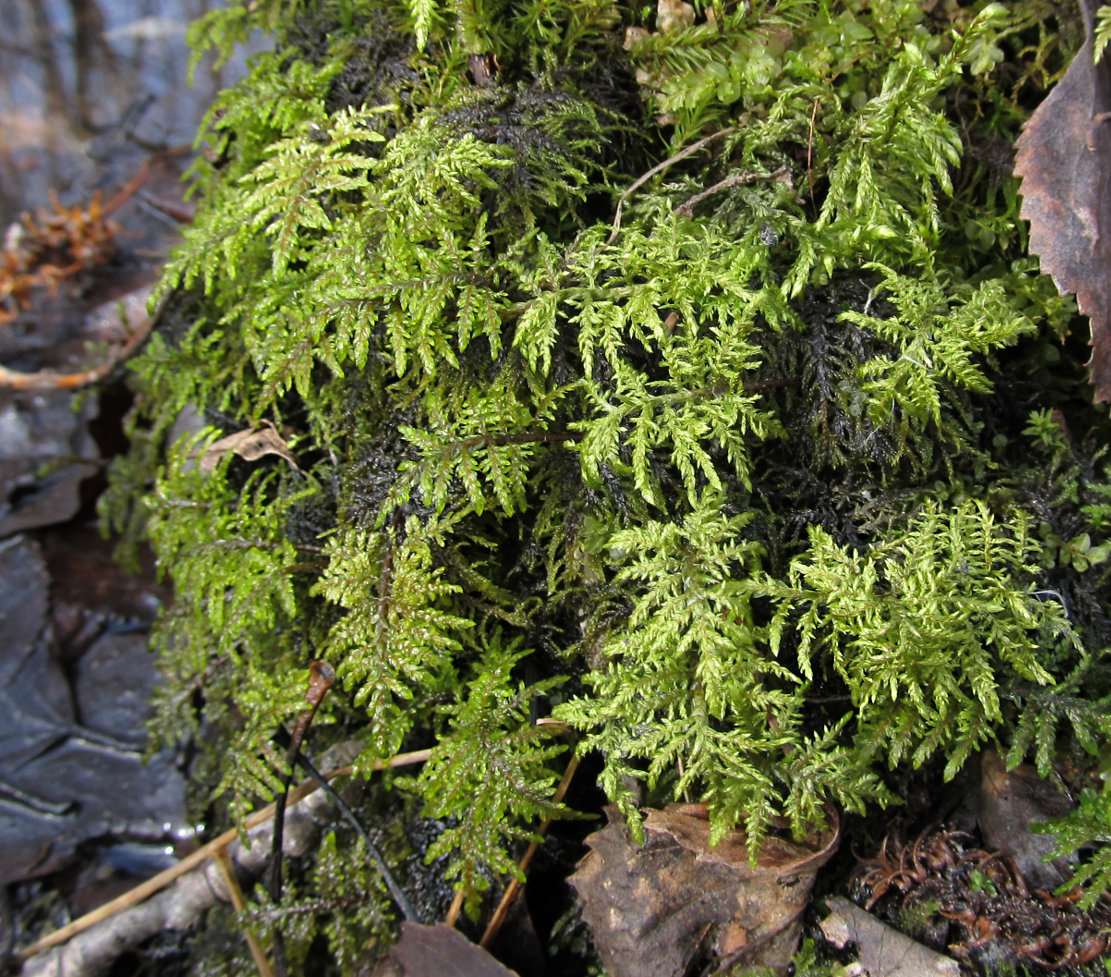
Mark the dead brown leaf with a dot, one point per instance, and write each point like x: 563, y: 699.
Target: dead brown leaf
x: 658, y: 908
x: 884, y: 952
x: 1012, y: 801
x: 250, y: 444
x: 1064, y: 159
x: 438, y: 951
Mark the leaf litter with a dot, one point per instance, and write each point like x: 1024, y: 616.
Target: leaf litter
x: 1064, y: 159
x: 674, y: 904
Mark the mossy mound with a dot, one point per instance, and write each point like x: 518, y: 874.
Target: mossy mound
x: 782, y: 479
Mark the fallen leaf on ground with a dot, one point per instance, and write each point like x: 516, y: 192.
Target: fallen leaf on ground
x: 884, y: 952
x: 1010, y: 803
x: 657, y: 908
x: 438, y: 951
x: 51, y: 498
x: 46, y: 453
x: 1064, y: 159
x: 65, y: 781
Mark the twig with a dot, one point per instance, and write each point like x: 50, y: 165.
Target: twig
x: 682, y: 775
x: 321, y: 677
x: 146, y: 889
x: 659, y: 168
x: 136, y: 182
x: 395, y: 890
x: 498, y: 918
x: 687, y: 209
x: 258, y: 954
x: 172, y: 214
x: 49, y: 380
x: 454, y: 909
x: 181, y: 906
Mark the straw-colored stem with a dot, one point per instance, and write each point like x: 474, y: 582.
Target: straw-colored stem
x: 146, y: 889
x: 237, y: 900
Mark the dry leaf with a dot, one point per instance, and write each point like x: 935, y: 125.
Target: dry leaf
x: 884, y: 952
x: 250, y: 444
x: 438, y: 951
x: 656, y: 909
x: 64, y: 783
x: 1064, y: 159
x: 1010, y: 802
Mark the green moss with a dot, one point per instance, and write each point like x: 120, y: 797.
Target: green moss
x: 756, y: 487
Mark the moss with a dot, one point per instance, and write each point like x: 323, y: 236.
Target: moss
x: 764, y: 487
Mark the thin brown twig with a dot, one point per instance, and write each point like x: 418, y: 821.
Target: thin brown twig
x: 135, y: 184
x: 454, y: 909
x: 498, y: 918
x: 258, y: 954
x: 322, y: 676
x: 687, y: 209
x: 659, y: 168
x: 49, y: 380
x: 201, y: 855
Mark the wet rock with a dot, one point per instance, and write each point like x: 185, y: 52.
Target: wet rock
x: 41, y: 435
x: 62, y: 782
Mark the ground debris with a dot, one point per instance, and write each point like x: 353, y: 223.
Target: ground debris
x: 93, y: 951
x: 661, y: 907
x: 438, y: 951
x: 1011, y: 802
x: 1064, y: 159
x: 64, y: 781
x: 250, y: 444
x: 51, y: 247
x: 884, y: 951
x: 977, y: 903
x: 46, y: 454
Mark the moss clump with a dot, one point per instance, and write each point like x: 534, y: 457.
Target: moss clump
x: 763, y: 487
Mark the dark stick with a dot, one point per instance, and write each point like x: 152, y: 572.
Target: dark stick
x: 321, y: 677
x: 282, y: 738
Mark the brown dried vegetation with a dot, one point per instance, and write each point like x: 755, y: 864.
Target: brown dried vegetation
x: 51, y: 247
x: 992, y: 916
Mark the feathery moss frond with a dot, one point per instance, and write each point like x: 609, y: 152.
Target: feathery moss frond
x: 490, y: 772
x: 924, y: 630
